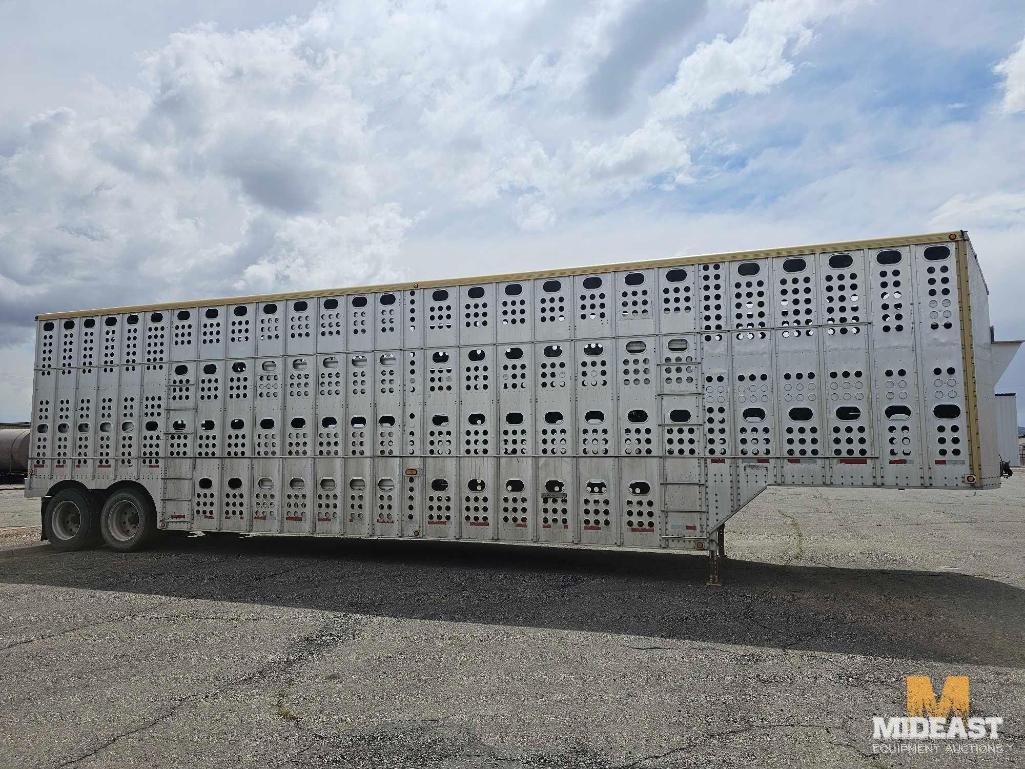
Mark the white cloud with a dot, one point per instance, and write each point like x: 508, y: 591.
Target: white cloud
x: 1013, y: 70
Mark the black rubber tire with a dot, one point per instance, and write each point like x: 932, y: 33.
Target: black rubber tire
x: 121, y: 535
x: 58, y: 520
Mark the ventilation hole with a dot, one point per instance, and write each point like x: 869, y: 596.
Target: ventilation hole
x: 749, y: 268
x: 439, y: 419
x: 354, y: 422
x: 553, y: 417
x: 794, y: 265
x: 181, y: 370
x: 386, y: 421
x: 554, y: 487
x: 476, y: 419
x: 888, y: 257
x: 636, y: 346
x: 676, y: 275
x: 357, y: 484
x: 206, y: 483
x: 839, y: 261
x: 182, y: 315
x: 206, y: 425
x: 553, y: 350
x: 899, y: 413
x: 592, y: 282
x: 326, y: 422
x: 800, y: 414
x: 265, y: 483
x: 89, y: 323
x: 753, y: 415
x: 514, y: 418
x: 593, y: 349
x: 679, y: 415
x: 637, y: 416
x: 439, y: 484
x: 238, y: 367
x: 947, y: 411
x: 359, y: 301
x: 476, y: 293
x: 234, y: 483
x: 297, y: 484
x: 551, y: 286
x: 387, y: 299
x: 440, y: 295
x: 513, y: 289
x: 476, y: 355
x: 640, y: 487
x: 440, y: 357
x: 237, y: 424
x: 300, y: 306
x: 634, y: 279
x: 678, y: 345
x: 514, y: 353
x: 848, y: 413
x: 156, y: 317
x: 267, y: 424
x: 210, y: 368
x: 594, y: 417
x: 299, y: 422
x: 330, y: 304
x: 211, y: 313
x: 936, y: 253
x: 514, y: 484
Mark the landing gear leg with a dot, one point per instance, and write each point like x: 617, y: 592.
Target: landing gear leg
x: 721, y: 534
x: 713, y: 567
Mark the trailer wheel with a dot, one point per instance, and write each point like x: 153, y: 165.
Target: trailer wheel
x: 71, y: 520
x: 128, y: 521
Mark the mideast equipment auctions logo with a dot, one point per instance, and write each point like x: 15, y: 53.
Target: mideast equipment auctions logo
x: 937, y: 725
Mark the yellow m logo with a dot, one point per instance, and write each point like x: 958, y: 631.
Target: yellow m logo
x: 922, y: 698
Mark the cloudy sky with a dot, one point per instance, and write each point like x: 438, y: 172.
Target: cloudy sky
x: 153, y: 150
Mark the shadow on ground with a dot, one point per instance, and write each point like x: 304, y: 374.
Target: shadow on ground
x: 945, y: 617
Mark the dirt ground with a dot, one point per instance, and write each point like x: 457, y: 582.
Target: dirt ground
x: 215, y: 651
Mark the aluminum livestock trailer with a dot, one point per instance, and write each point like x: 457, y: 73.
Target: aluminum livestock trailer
x: 635, y: 405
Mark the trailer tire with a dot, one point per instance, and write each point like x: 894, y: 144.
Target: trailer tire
x: 71, y: 520
x: 128, y: 521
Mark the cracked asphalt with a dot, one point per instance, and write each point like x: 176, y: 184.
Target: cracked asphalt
x: 302, y: 653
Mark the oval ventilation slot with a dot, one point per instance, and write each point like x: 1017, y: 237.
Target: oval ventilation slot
x: 297, y: 484
x: 513, y: 289
x: 266, y: 484
x: 639, y: 488
x: 300, y: 306
x: 678, y: 345
x: 476, y: 293
x: 637, y: 416
x: 182, y: 315
x: 848, y: 413
x: 439, y: 419
x: 327, y: 484
x: 592, y: 282
x: 357, y: 484
x: 551, y: 286
x: 514, y: 484
x: 237, y: 424
x: 238, y: 367
x: 594, y: 417
x: 754, y: 415
x: 270, y: 309
x: 358, y: 422
x: 440, y: 295
x: 634, y: 279
x: 211, y: 313
x: 387, y: 299
x: 888, y: 257
x: 593, y: 349
x: 676, y: 274
x: 386, y: 421
x: 439, y: 484
x: 359, y: 301
x: 840, y: 261
x: 679, y: 415
x: 330, y: 304
x: 298, y: 423
x: 206, y: 425
x: 936, y: 253
x: 749, y: 268
x: 386, y: 484
x: 800, y: 414
x: 553, y: 417
x: 553, y: 351
x: 898, y: 413
x: 794, y: 265
x: 267, y: 424
x: 234, y: 483
x: 181, y: 370
x: 476, y: 355
x: 514, y: 353
x: 636, y: 346
x: 554, y: 487
x: 514, y: 418
x: 328, y: 422
x: 440, y: 357
x: 947, y: 411
x: 210, y: 368
x: 206, y: 483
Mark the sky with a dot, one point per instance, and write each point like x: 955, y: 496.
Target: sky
x: 153, y: 151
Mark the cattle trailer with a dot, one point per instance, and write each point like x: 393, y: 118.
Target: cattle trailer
x: 633, y: 405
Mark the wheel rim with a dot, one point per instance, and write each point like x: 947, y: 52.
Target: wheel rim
x: 124, y: 520
x: 67, y: 520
